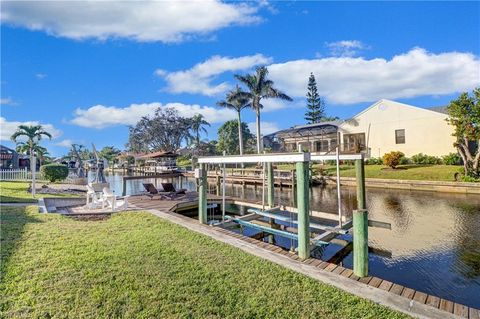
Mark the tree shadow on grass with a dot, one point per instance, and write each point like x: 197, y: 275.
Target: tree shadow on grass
x: 413, y: 166
x: 10, y: 199
x: 13, y: 222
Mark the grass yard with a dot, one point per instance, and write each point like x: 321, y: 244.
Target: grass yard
x: 411, y: 171
x: 16, y: 192
x: 136, y: 265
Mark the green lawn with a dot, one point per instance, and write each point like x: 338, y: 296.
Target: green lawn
x: 16, y: 192
x: 411, y: 171
x: 136, y: 265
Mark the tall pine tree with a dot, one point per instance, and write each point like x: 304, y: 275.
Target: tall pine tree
x: 315, y: 105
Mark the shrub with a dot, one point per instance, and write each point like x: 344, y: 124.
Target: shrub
x: 452, y: 159
x: 54, y: 172
x: 392, y: 159
x: 405, y: 161
x: 374, y: 161
x: 421, y: 158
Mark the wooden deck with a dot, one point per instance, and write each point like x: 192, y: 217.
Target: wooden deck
x: 181, y: 202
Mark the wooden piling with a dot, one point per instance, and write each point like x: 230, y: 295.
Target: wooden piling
x: 202, y: 194
x: 360, y: 225
x: 270, y: 185
x: 124, y: 186
x: 270, y: 197
x: 303, y: 201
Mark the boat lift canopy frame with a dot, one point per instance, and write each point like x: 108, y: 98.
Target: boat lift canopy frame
x: 276, y: 158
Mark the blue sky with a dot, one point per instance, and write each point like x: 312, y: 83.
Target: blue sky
x: 86, y: 71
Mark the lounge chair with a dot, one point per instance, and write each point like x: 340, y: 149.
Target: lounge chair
x: 169, y: 188
x: 151, y: 191
x: 113, y: 201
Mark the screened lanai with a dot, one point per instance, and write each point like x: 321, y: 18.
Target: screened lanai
x: 316, y: 138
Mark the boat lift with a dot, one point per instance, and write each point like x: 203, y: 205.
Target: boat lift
x: 359, y: 223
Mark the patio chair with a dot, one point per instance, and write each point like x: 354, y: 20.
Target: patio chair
x: 152, y: 192
x: 113, y: 201
x: 94, y: 199
x: 169, y: 188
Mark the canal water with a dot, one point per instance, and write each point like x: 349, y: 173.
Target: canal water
x: 434, y: 244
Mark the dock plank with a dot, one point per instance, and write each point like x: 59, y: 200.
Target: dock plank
x: 420, y: 297
x: 347, y: 272
x: 366, y: 279
x: 385, y: 285
x: 433, y: 301
x: 330, y: 267
x: 460, y: 310
x: 338, y: 270
x: 408, y: 293
x: 396, y: 289
x: 446, y: 305
x: 375, y: 282
x: 473, y: 313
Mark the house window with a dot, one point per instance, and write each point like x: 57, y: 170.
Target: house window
x: 400, y: 136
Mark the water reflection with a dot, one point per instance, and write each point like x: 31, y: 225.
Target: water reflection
x: 434, y: 241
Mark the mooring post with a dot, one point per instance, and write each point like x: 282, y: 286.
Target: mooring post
x: 202, y: 194
x: 270, y: 183
x: 360, y: 224
x: 303, y: 204
x: 124, y: 187
x: 270, y: 197
x: 218, y: 183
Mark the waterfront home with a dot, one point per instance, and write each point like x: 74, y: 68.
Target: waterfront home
x: 382, y: 127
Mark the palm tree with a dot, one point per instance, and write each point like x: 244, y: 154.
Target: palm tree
x: 236, y: 101
x: 34, y: 134
x: 259, y: 88
x: 197, y: 125
x: 24, y: 147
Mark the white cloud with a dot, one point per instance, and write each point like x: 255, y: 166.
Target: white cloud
x: 271, y: 105
x: 65, y: 143
x: 198, y: 79
x: 166, y: 21
x: 100, y: 116
x: 345, y: 80
x: 265, y: 127
x: 7, y: 101
x: 345, y: 48
x: 8, y: 128
x: 40, y: 76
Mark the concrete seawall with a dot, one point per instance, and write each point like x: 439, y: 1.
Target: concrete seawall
x: 434, y: 186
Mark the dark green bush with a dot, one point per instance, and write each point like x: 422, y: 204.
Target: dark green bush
x: 405, y: 161
x: 54, y: 172
x: 392, y: 159
x: 374, y: 161
x: 421, y: 158
x: 452, y: 159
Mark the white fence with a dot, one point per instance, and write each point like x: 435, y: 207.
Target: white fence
x: 18, y: 175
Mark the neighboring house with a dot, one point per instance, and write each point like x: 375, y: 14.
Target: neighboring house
x: 383, y: 127
x: 8, y: 158
x: 389, y: 126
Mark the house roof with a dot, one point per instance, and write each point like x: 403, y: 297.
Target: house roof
x: 439, y: 109
x: 308, y: 129
x: 435, y: 109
